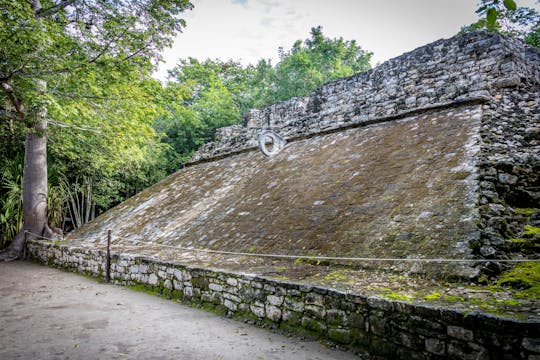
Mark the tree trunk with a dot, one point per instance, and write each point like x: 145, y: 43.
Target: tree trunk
x: 34, y: 186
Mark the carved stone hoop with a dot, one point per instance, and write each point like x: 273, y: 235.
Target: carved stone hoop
x: 267, y: 137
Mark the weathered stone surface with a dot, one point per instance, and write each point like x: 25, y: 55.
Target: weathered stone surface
x: 273, y: 313
x: 435, y: 346
x: 294, y: 304
x: 336, y: 317
x: 230, y: 305
x: 341, y: 336
x: 153, y: 279
x: 275, y: 300
x: 316, y: 311
x: 257, y: 310
x: 532, y: 345
x: 389, y: 186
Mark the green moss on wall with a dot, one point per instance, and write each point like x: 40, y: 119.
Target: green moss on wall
x: 525, y: 278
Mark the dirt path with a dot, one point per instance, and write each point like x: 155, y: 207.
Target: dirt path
x: 50, y: 314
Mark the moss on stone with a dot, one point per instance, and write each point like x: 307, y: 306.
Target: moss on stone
x: 147, y: 289
x: 314, y: 327
x: 393, y: 295
x: 433, y: 296
x: 461, y: 175
x: 453, y: 298
x: 525, y: 211
x: 341, y: 336
x: 531, y: 231
x: 524, y: 277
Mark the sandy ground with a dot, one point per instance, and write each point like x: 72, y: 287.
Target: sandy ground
x: 50, y: 314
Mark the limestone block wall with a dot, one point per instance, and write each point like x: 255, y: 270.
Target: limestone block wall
x: 509, y: 173
x: 368, y: 324
x: 465, y: 68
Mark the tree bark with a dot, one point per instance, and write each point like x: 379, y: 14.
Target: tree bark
x: 34, y: 186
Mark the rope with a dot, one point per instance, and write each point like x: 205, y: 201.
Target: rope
x: 312, y: 258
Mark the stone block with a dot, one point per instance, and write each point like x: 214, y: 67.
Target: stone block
x: 231, y: 297
x: 257, y: 310
x: 294, y: 304
x: 460, y: 333
x: 178, y: 275
x: 315, y: 311
x: 313, y: 325
x: 292, y: 317
x: 466, y: 351
x: 256, y: 284
x: 211, y: 297
x: 378, y: 325
x: 152, y: 279
x: 336, y: 317
x: 408, y: 339
x: 314, y: 299
x: 273, y: 313
x: 275, y: 300
x: 167, y: 284
x: 341, y: 336
x: 531, y: 345
x: 230, y: 305
x: 379, y: 303
x: 177, y: 285
x: 215, y: 287
x: 435, y: 346
x: 357, y: 321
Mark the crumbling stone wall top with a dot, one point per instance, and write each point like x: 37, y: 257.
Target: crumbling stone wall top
x: 465, y: 68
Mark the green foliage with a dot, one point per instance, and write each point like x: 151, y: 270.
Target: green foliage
x: 86, y: 65
x: 508, y: 18
x: 311, y: 63
x: 10, y: 200
x: 11, y: 212
x: 203, y: 96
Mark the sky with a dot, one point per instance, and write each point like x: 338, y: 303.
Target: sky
x: 248, y: 30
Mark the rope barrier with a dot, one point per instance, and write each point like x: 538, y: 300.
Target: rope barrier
x: 314, y: 258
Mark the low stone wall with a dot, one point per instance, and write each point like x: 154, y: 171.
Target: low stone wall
x: 379, y: 327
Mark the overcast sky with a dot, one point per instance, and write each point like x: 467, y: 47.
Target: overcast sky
x: 248, y: 30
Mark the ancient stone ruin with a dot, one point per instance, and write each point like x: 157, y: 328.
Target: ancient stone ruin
x: 431, y: 155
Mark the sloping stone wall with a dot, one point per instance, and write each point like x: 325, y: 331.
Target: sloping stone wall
x: 465, y: 68
x: 405, y: 188
x: 452, y: 149
x: 379, y: 327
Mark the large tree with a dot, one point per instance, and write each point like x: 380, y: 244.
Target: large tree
x: 55, y: 50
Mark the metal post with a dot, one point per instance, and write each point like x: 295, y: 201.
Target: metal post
x: 108, y: 263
